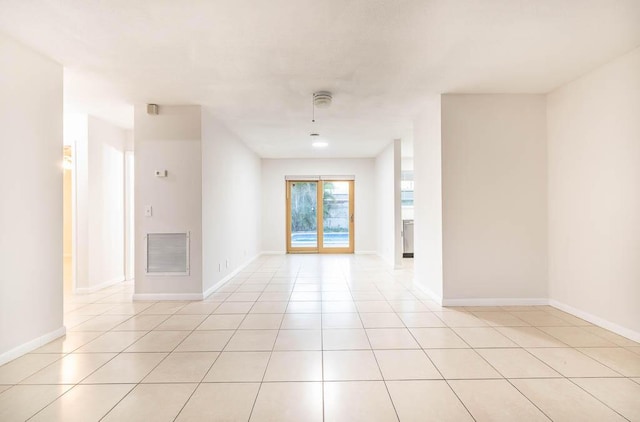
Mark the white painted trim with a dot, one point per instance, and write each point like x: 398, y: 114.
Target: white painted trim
x: 229, y: 276
x: 32, y: 345
x: 601, y: 322
x: 496, y: 301
x: 366, y: 253
x: 137, y: 297
x: 93, y: 289
x: 271, y: 253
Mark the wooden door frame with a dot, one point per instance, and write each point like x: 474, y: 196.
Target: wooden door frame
x: 319, y: 218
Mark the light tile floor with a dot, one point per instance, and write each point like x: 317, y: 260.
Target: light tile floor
x: 321, y: 338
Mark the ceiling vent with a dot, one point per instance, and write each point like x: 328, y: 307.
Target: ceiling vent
x: 322, y: 99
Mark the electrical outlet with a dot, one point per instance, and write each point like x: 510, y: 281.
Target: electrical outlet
x: 148, y: 211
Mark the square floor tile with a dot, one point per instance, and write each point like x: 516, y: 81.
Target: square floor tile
x: 341, y: 321
x: 338, y: 307
x: 419, y: 401
x: 350, y: 365
x: 234, y: 308
x: 438, y: 338
x: 21, y: 402
x: 540, y: 319
x: 269, y: 308
x: 461, y: 364
x: 345, y: 339
x: 478, y: 337
x: 220, y: 402
x: 500, y: 319
x: 289, y: 401
x: 294, y: 366
x: 182, y: 367
x: 126, y: 368
x: 301, y: 322
x: 261, y: 322
x: 381, y: 320
x: 252, y: 340
x: 198, y: 308
x: 113, y: 341
x: 71, y: 369
x: 18, y: 369
x: 562, y: 400
x: 495, y: 400
x: 221, y: 322
x: 181, y: 322
x: 620, y: 394
x: 69, y: 342
x: 517, y: 363
x: 84, y: 403
x: 205, y: 341
x: 530, y: 337
x: 406, y: 365
x: 421, y: 319
x: 142, y: 403
x: 460, y: 319
x: 304, y: 308
x: 299, y: 340
x: 572, y: 363
x: 373, y: 306
x: 621, y: 360
x: 391, y: 338
x: 239, y: 367
x: 141, y: 323
x: 158, y: 341
x: 357, y: 401
x: 577, y: 337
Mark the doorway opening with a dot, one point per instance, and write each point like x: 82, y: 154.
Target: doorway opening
x: 320, y: 216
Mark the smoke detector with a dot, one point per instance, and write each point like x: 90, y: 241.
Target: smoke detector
x: 322, y: 99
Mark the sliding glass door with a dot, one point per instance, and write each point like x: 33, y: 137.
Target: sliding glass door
x: 320, y: 216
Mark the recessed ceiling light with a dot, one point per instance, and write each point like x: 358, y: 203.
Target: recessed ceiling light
x: 320, y: 144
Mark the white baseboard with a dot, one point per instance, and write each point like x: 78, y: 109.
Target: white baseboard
x: 497, y: 301
x: 141, y: 297
x: 601, y: 322
x: 32, y: 345
x: 93, y: 289
x: 229, y: 276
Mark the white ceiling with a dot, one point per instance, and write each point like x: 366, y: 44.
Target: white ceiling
x: 255, y: 64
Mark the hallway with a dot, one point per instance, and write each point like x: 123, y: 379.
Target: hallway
x: 320, y: 337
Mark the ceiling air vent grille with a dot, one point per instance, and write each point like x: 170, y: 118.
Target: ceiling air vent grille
x: 167, y: 253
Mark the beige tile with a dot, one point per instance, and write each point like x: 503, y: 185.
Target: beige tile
x: 413, y: 306
x: 205, y: 341
x: 572, y: 363
x: 101, y: 323
x: 158, y: 341
x: 21, y: 402
x: 243, y: 297
x: 500, y: 319
x: 577, y: 337
x: 517, y: 363
x: 621, y: 360
x: 345, y: 339
x: 341, y: 321
x: 141, y: 323
x: 421, y: 319
x: 357, y: 401
x: 438, y: 338
x: 391, y: 338
x: 126, y: 368
x: 339, y: 307
x: 198, y: 308
x: 530, y: 337
x: 299, y: 340
x: 269, y: 308
x: 301, y: 322
x: 269, y: 296
x: 381, y: 320
x: 562, y: 400
x: 220, y: 402
x: 304, y: 308
x: 460, y: 319
x: 113, y: 341
x: 350, y: 365
x: 620, y: 394
x: 461, y: 364
x: 495, y: 400
x: 294, y: 366
x: 419, y: 401
x: 182, y: 367
x: 252, y: 340
x: 305, y: 296
x: 611, y: 336
x: 261, y: 322
x: 234, y: 308
x: 479, y: 337
x: 406, y: 365
x: 181, y: 323
x: 238, y: 367
x: 18, y: 369
x: 373, y: 306
x: 290, y: 401
x: 336, y: 296
x: 164, y: 308
x: 71, y: 369
x: 68, y: 343
x: 84, y: 403
x: 541, y: 319
x: 221, y: 322
x: 143, y: 404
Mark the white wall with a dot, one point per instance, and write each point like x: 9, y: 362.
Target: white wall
x: 494, y: 196
x: 594, y: 194
x: 31, y: 191
x: 428, y: 198
x: 388, y: 210
x: 231, y: 202
x: 169, y: 141
x: 274, y: 200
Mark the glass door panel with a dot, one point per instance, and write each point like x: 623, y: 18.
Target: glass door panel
x: 303, y: 216
x: 336, y: 214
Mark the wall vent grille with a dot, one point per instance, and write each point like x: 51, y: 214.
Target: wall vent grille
x: 167, y: 253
